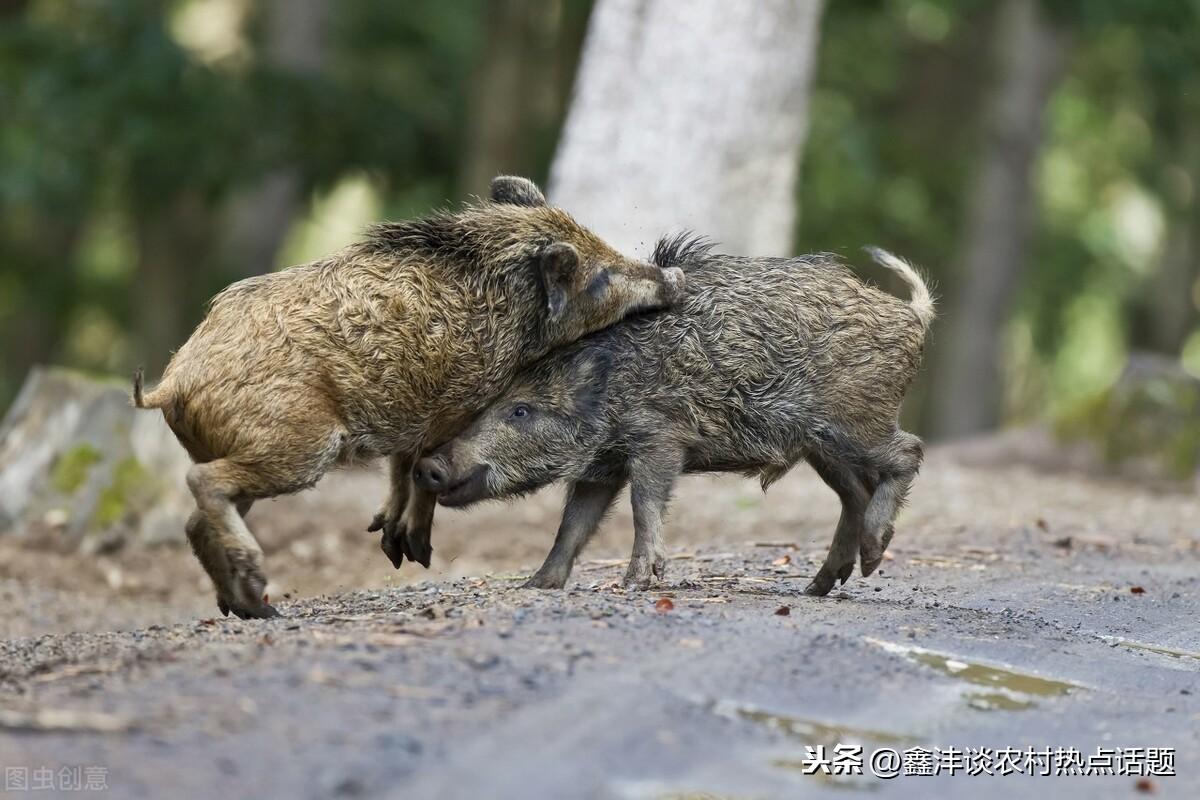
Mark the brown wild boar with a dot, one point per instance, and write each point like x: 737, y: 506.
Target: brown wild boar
x: 768, y: 362
x: 388, y: 347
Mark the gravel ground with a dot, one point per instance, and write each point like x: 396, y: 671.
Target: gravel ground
x: 1021, y: 608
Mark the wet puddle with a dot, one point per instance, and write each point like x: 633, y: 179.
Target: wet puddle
x: 1154, y: 648
x: 811, y: 732
x: 808, y: 731
x: 1008, y: 689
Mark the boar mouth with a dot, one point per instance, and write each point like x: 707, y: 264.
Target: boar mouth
x: 472, y: 488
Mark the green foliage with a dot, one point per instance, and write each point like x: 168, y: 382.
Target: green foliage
x: 894, y: 136
x: 124, y: 150
x: 114, y: 500
x: 1154, y: 417
x: 71, y: 469
x: 115, y: 131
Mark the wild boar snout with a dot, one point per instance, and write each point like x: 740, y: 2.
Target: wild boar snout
x: 454, y: 486
x: 431, y: 474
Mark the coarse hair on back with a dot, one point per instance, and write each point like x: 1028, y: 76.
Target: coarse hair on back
x: 681, y: 249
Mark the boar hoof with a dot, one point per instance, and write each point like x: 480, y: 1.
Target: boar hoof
x: 845, y: 572
x: 247, y: 588
x: 660, y: 567
x: 545, y: 580
x: 869, y: 554
x: 416, y: 544
x: 823, y: 583
x: 393, y: 544
x: 637, y: 578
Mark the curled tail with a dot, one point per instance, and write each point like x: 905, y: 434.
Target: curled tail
x: 156, y: 398
x: 921, y: 302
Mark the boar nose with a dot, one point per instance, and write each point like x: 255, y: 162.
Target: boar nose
x: 430, y: 475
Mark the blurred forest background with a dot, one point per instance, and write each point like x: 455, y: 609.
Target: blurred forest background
x: 1041, y: 161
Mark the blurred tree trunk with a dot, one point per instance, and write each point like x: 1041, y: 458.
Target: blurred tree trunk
x: 968, y: 387
x: 519, y: 89
x: 257, y: 219
x: 689, y: 114
x: 33, y: 331
x: 1170, y: 310
x: 173, y: 242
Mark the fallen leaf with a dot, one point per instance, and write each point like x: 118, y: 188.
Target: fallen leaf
x: 266, y: 599
x: 782, y: 561
x: 783, y: 611
x: 1137, y: 590
x: 209, y: 621
x: 663, y: 605
x: 1065, y: 542
x: 1041, y: 523
x: 1145, y: 786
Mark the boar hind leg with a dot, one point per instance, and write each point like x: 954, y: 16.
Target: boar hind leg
x: 898, y: 463
x: 210, y: 554
x: 651, y: 481
x: 587, y: 503
x: 839, y: 561
x: 219, y: 537
x: 390, y: 517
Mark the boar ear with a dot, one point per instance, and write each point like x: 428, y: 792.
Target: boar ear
x: 516, y: 191
x: 591, y: 381
x: 557, y: 263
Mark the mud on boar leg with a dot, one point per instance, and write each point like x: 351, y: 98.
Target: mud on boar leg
x: 651, y: 480
x: 587, y: 503
x: 839, y: 562
x: 389, y: 519
x: 226, y: 548
x: 899, y: 465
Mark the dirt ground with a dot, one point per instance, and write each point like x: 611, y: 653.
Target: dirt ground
x: 1021, y: 607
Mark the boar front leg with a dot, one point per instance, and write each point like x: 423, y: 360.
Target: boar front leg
x: 418, y: 526
x: 839, y: 561
x: 651, y: 479
x: 587, y: 503
x: 390, y: 517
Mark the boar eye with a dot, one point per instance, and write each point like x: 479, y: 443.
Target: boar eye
x: 520, y: 411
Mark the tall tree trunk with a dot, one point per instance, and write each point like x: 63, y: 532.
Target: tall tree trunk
x: 32, y: 332
x: 690, y: 114
x: 173, y: 243
x: 968, y: 392
x: 257, y: 219
x: 515, y: 92
x: 1170, y: 308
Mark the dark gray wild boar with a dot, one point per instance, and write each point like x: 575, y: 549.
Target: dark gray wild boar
x: 388, y: 347
x: 767, y: 362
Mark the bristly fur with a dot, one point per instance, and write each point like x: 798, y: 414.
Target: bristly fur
x: 766, y: 363
x: 385, y: 347
x: 681, y: 250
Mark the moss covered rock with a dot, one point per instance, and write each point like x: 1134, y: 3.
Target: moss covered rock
x: 81, y: 467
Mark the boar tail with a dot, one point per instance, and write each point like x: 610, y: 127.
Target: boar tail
x: 922, y: 301
x: 156, y: 398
